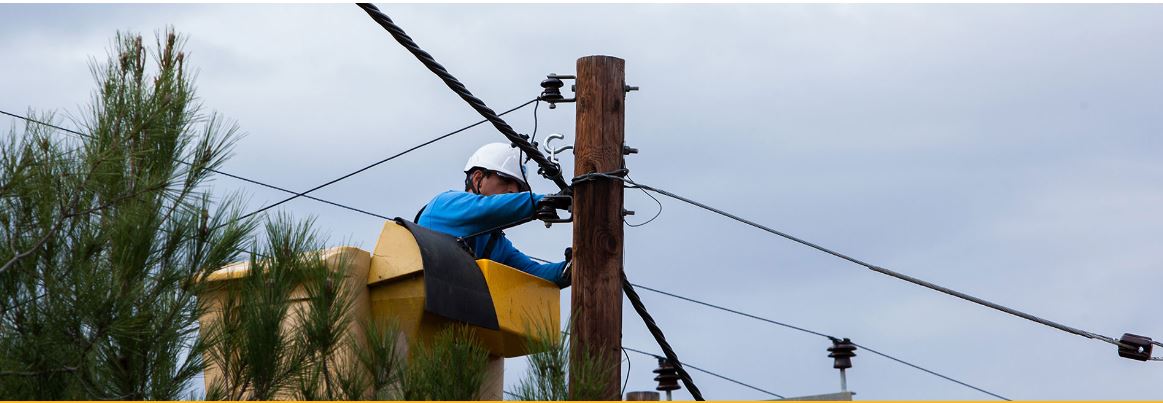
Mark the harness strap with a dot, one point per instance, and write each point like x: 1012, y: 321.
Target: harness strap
x: 493, y: 237
x: 418, y: 213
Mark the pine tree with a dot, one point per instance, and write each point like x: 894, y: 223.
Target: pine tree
x: 103, y: 237
x: 106, y: 242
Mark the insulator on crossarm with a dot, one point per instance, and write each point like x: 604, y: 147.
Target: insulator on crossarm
x: 551, y: 91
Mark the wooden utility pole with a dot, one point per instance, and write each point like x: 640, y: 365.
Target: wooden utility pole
x: 597, y: 217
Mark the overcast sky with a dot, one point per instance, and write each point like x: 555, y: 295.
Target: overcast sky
x: 1008, y: 151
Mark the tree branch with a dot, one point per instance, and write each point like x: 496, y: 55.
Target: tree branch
x: 38, y: 373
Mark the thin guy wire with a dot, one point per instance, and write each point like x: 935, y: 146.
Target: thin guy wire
x: 397, y: 155
x: 548, y: 169
x: 659, y: 338
x: 251, y: 181
x: 711, y: 374
x: 869, y: 266
x: 830, y: 337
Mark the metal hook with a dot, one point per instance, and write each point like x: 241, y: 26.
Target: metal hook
x: 552, y: 151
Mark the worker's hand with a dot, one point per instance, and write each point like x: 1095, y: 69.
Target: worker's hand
x: 566, y: 277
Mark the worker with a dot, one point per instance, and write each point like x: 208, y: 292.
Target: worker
x: 495, y: 194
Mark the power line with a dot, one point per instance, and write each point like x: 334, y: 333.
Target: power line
x: 878, y: 269
x: 548, y: 169
x: 374, y: 164
x: 711, y: 374
x: 656, y: 214
x: 760, y: 318
x: 223, y: 173
x: 298, y: 194
x: 813, y: 332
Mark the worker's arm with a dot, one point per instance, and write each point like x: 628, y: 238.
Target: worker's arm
x: 464, y: 213
x: 508, y: 255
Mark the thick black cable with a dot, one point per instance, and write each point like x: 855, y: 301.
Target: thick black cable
x: 377, y: 163
x: 223, y: 173
x: 711, y: 374
x: 636, y: 302
x: 550, y: 170
x: 618, y: 175
x: 829, y: 337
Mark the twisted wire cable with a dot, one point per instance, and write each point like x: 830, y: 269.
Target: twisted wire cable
x: 549, y: 170
x: 636, y: 301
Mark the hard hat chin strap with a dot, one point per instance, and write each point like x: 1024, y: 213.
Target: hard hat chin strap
x: 470, y: 184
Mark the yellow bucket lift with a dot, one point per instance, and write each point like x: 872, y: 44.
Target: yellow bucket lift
x: 426, y: 280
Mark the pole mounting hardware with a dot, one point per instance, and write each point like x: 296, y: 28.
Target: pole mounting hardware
x: 554, y: 151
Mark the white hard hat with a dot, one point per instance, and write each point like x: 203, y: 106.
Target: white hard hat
x: 500, y: 158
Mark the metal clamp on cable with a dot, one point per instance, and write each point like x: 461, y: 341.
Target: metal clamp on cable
x: 1135, y: 347
x: 549, y: 204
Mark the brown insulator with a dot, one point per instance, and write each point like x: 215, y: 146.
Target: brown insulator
x: 667, y: 376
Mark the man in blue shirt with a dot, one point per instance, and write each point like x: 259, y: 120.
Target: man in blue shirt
x: 495, y: 194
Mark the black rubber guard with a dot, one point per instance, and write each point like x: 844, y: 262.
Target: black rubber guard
x: 454, y: 286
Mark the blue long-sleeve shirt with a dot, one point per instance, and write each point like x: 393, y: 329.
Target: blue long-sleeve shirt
x: 463, y: 213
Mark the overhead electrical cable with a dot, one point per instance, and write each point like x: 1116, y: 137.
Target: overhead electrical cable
x: 306, y: 193
x: 377, y: 163
x: 223, y: 173
x: 813, y: 332
x: 710, y: 373
x: 618, y: 175
x: 549, y: 170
